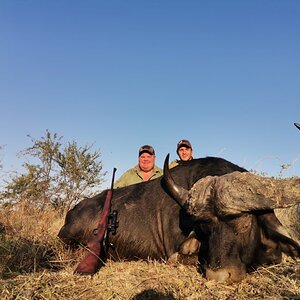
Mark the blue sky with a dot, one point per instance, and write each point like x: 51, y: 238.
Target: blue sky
x: 120, y: 74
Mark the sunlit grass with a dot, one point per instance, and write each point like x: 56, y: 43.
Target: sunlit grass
x: 35, y: 265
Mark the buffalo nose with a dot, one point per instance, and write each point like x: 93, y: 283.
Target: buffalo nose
x: 229, y: 274
x: 219, y: 275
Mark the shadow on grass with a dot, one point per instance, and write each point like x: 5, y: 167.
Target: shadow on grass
x: 153, y: 295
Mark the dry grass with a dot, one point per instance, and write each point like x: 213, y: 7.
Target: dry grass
x: 35, y: 265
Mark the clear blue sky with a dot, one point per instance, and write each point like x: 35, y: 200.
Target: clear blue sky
x: 120, y: 74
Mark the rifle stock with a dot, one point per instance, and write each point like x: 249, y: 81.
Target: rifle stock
x: 90, y: 264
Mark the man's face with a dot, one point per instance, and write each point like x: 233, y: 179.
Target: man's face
x: 185, y: 153
x: 146, y: 162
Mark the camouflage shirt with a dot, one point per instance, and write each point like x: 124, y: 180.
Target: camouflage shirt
x: 134, y: 175
x: 173, y: 164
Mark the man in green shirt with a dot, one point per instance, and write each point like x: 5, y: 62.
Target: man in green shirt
x: 184, y: 152
x: 145, y: 169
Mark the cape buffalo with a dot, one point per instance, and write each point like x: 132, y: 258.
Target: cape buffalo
x: 237, y: 226
x: 153, y: 225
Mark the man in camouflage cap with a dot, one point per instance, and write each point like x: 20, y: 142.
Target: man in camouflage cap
x: 145, y: 169
x: 184, y: 152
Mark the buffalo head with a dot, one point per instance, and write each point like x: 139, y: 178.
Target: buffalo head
x: 236, y: 224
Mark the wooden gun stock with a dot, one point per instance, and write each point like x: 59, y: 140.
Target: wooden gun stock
x: 91, y: 262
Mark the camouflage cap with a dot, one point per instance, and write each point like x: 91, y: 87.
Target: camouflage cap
x: 148, y: 149
x: 183, y: 143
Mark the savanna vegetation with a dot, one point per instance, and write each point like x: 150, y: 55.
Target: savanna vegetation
x: 34, y: 264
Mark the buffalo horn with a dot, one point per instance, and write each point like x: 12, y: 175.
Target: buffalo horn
x: 237, y: 192
x: 180, y: 194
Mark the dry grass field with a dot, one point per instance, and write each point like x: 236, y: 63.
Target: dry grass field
x: 35, y: 265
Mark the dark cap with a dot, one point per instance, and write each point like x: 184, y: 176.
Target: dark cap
x: 184, y: 143
x: 148, y: 149
x: 297, y: 125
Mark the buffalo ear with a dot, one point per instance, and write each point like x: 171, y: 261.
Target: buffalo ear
x: 274, y: 231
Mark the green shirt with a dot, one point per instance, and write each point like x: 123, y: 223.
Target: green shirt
x: 134, y: 175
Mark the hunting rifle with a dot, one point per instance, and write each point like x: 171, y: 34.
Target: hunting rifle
x: 108, y: 224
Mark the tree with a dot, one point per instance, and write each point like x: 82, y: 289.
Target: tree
x: 61, y: 176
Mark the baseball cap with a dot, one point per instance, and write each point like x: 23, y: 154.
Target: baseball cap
x: 184, y: 143
x: 148, y: 149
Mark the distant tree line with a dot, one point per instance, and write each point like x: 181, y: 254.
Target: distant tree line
x: 57, y: 174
